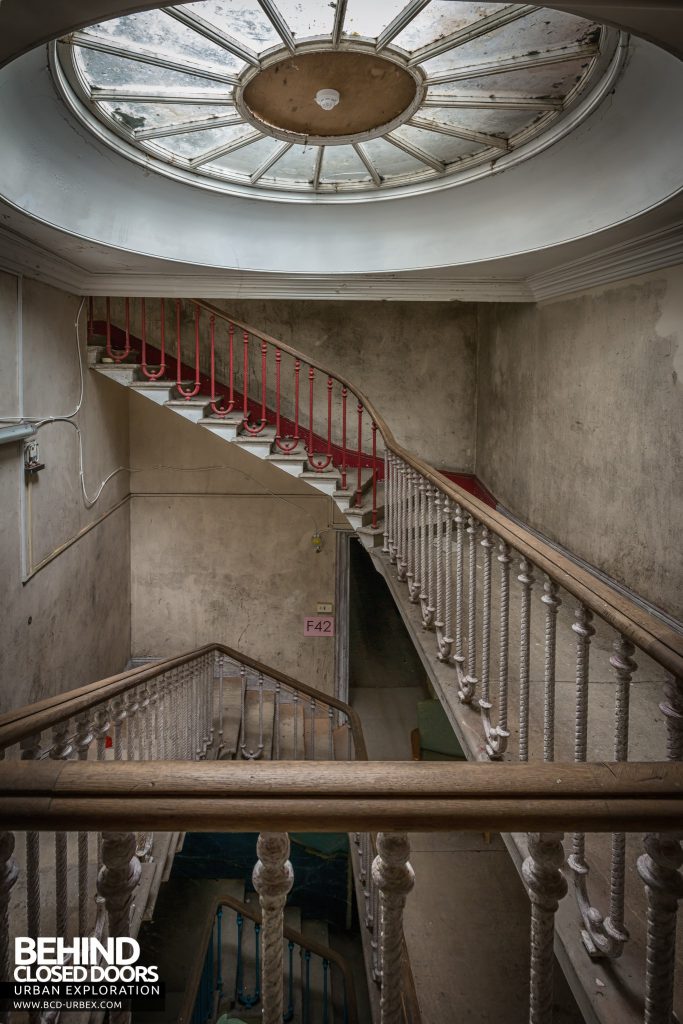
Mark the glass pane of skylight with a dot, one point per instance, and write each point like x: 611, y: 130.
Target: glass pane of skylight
x: 493, y: 122
x: 444, y: 147
x: 106, y: 69
x: 247, y: 159
x: 297, y: 164
x: 193, y: 144
x: 390, y: 160
x: 307, y: 17
x: 546, y: 81
x: 342, y: 163
x: 244, y: 21
x: 164, y: 35
x: 441, y: 18
x: 364, y: 18
x: 159, y: 115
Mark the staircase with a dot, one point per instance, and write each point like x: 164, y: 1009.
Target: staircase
x: 223, y: 975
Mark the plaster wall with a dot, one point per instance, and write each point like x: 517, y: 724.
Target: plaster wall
x: 222, y: 549
x: 415, y: 361
x: 580, y: 423
x: 70, y: 622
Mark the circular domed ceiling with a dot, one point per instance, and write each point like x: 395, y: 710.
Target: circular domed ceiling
x: 356, y: 99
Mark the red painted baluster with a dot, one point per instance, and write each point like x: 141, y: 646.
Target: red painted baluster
x: 161, y: 369
x: 374, y: 475
x: 264, y: 355
x: 292, y: 443
x: 278, y: 360
x: 214, y: 401
x: 197, y: 378
x: 178, y: 355
x: 319, y: 466
x: 359, y: 482
x: 311, y: 383
x: 344, y: 393
x: 108, y: 315
x: 118, y: 357
x: 143, y: 336
x: 245, y: 388
x: 212, y: 343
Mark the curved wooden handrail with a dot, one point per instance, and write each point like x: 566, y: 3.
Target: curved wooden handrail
x: 33, y: 718
x: 253, y: 913
x: 331, y: 796
x: 645, y: 630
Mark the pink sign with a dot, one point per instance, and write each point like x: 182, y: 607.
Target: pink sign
x: 319, y: 625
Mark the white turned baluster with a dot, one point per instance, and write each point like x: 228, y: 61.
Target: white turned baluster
x: 429, y: 611
x: 459, y: 657
x: 31, y: 751
x: 552, y: 603
x: 468, y: 684
x: 526, y: 578
x: 154, y: 723
x: 100, y: 730
x: 435, y: 541
x: 272, y: 878
x: 132, y: 732
x: 414, y: 585
x: 394, y: 878
x: 424, y: 601
x: 624, y: 666
x: 118, y: 716
x: 145, y: 724
x: 83, y: 739
x: 312, y: 707
x: 221, y: 685
x: 497, y: 735
x: 386, y: 544
x: 410, y: 532
x: 402, y: 562
x: 391, y: 504
x: 116, y: 883
x: 445, y: 634
x: 419, y: 539
x: 659, y: 868
x: 61, y: 750
x: 8, y: 876
x: 484, y: 700
x: 542, y: 873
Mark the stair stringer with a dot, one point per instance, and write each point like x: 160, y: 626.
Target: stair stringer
x: 261, y: 446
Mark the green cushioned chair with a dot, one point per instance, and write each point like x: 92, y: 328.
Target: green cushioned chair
x: 434, y: 739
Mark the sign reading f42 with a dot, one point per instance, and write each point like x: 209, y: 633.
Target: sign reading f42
x: 319, y: 625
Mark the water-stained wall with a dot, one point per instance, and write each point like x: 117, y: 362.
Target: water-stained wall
x: 64, y: 566
x: 580, y: 425
x: 222, y: 549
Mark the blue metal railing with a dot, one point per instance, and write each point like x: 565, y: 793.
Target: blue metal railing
x: 211, y: 984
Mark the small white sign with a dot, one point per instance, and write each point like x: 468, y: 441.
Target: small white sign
x: 324, y: 609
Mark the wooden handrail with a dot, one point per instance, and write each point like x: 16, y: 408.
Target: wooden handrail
x: 645, y: 630
x: 34, y: 718
x: 330, y: 796
x: 253, y: 913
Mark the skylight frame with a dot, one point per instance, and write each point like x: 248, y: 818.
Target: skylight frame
x: 552, y: 121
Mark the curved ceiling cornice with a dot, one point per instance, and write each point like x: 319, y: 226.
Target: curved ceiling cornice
x: 25, y: 24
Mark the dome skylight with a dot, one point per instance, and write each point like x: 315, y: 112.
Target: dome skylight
x: 224, y: 92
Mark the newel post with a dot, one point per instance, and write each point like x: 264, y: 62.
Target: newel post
x: 116, y: 883
x: 273, y: 878
x: 394, y: 877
